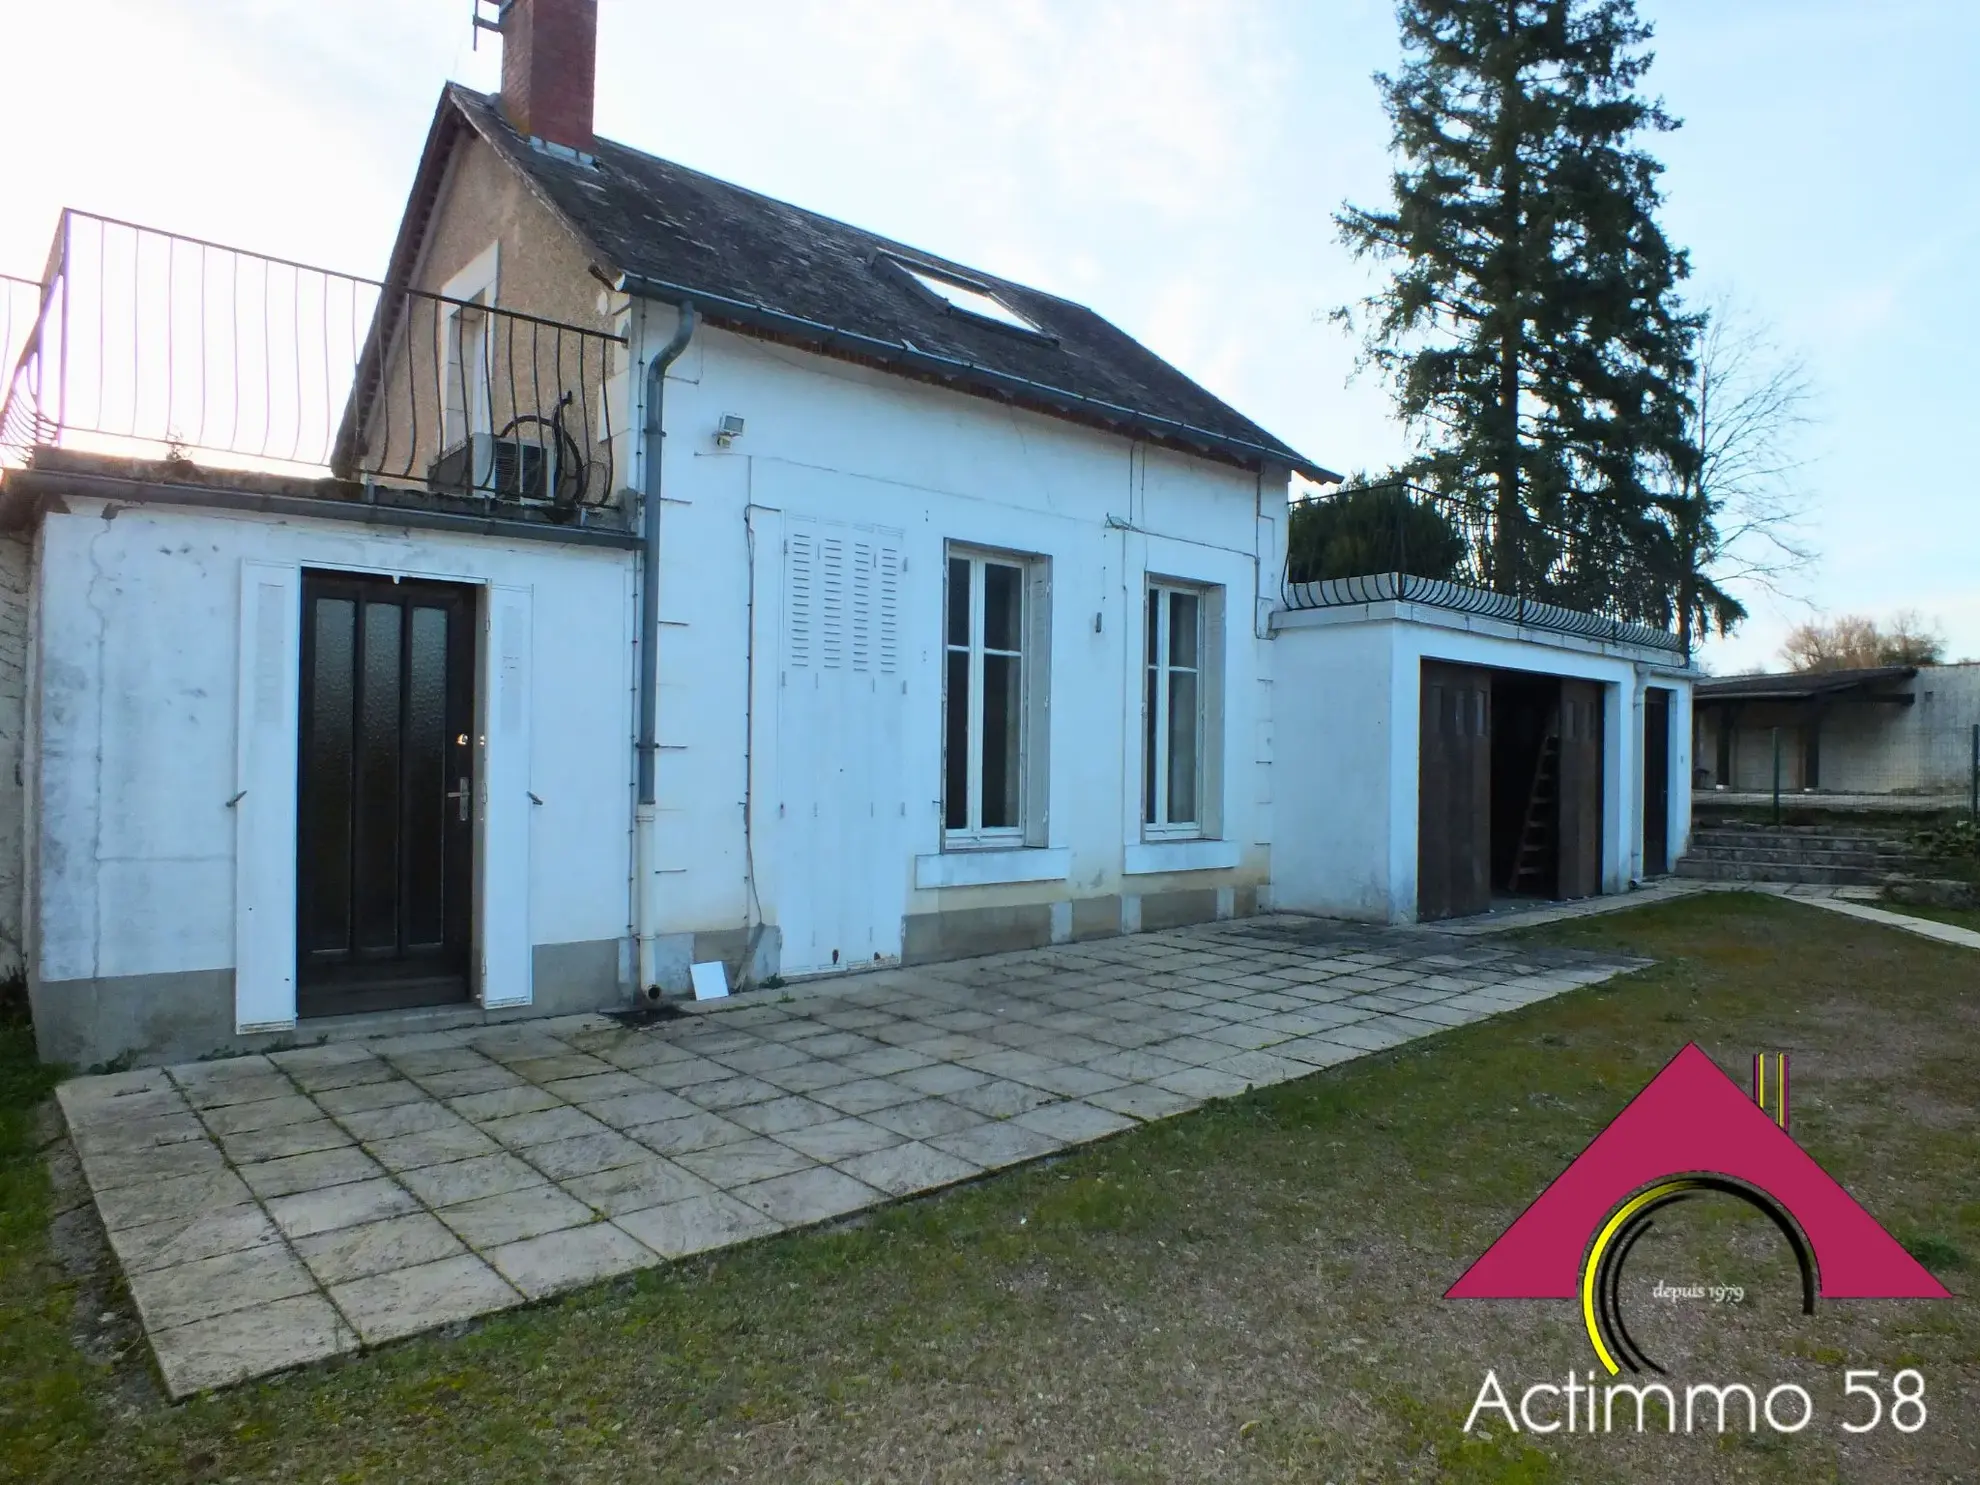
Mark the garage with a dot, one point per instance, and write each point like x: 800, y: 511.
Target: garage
x: 1509, y: 788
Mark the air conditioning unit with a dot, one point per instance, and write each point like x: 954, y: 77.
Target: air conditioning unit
x: 506, y: 468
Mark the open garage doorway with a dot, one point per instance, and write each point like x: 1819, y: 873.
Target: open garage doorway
x: 1510, y: 788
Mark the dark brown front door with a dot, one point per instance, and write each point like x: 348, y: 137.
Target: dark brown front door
x: 1656, y: 782
x: 1454, y: 792
x: 385, y: 834
x: 1581, y: 789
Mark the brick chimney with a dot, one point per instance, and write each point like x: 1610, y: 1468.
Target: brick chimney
x: 549, y: 57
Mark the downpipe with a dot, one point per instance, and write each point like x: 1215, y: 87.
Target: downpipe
x: 646, y: 827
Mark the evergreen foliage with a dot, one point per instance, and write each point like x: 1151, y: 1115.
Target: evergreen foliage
x: 1531, y: 327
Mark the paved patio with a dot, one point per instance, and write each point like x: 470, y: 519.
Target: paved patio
x: 275, y: 1210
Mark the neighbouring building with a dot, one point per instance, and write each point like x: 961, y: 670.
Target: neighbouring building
x: 1900, y: 734
x: 700, y: 578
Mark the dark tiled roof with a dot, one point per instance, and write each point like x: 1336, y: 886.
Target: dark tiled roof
x: 766, y: 267
x: 1800, y: 685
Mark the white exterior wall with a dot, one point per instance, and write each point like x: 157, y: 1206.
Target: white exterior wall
x: 1867, y: 747
x: 16, y: 561
x: 1349, y: 690
x: 141, y: 691
x: 836, y: 442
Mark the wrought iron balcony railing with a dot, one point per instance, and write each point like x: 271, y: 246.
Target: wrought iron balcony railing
x: 156, y: 346
x: 1400, y: 542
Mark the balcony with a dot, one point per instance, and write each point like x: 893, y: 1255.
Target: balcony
x: 148, y: 354
x: 1397, y: 542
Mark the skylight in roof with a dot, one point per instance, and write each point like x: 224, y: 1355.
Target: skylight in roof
x: 971, y: 301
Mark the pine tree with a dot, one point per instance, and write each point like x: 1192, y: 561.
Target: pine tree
x: 1531, y: 326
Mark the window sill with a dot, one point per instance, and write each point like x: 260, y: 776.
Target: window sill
x: 1148, y: 857
x: 989, y: 868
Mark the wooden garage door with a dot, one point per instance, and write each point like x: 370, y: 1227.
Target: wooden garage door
x: 1581, y: 789
x: 1454, y: 800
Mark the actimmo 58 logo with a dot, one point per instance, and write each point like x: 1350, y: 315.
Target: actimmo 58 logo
x: 1691, y: 1132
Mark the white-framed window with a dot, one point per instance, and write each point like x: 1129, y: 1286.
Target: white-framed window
x: 1182, y: 721
x: 993, y: 699
x: 465, y: 330
x: 467, y: 348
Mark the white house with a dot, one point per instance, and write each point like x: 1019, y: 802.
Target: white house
x: 704, y: 579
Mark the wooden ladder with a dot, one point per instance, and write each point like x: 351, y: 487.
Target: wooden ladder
x: 1530, y: 860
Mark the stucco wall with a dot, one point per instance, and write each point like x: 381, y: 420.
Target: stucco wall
x: 140, y: 688
x: 15, y: 560
x: 1348, y: 686
x: 829, y: 441
x: 486, y: 220
x: 1867, y: 747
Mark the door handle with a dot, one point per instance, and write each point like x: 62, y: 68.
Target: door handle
x: 463, y: 794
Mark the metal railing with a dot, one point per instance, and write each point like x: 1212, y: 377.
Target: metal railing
x: 1396, y: 541
x: 153, y: 345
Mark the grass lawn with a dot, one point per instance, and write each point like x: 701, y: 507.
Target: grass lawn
x: 1251, y: 1292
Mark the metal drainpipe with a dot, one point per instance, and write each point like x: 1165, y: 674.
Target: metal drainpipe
x: 645, y: 817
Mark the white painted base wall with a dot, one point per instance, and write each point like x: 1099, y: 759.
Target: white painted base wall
x: 167, y: 667
x: 1348, y: 698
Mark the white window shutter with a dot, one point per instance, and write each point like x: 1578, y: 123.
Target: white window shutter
x: 265, y: 797
x: 1211, y: 669
x: 831, y: 602
x: 1038, y: 704
x: 889, y: 599
x: 507, y: 948
x: 801, y: 624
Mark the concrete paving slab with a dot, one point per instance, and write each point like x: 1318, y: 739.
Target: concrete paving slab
x: 839, y: 1139
x: 173, y: 1196
x: 585, y: 1154
x: 529, y: 1212
x: 525, y: 1098
x: 185, y: 1239
x: 406, y: 1301
x: 470, y: 1180
x: 249, y: 1343
x: 519, y: 1131
x: 189, y: 1292
x: 651, y: 1182
x: 995, y: 1144
x: 925, y: 1117
x: 108, y: 1170
x: 262, y: 1113
x: 904, y: 1169
x: 781, y: 1115
x: 1074, y: 1122
x: 754, y: 1159
x: 570, y: 1149
x: 331, y: 1207
x: 1000, y: 1098
x: 306, y: 1172
x: 285, y: 1140
x: 1143, y: 1101
x: 864, y: 1095
x: 377, y: 1248
x: 366, y: 1097
x: 696, y: 1132
x: 542, y: 1266
x: 431, y: 1147
x: 697, y: 1224
x: 808, y: 1196
x: 401, y: 1118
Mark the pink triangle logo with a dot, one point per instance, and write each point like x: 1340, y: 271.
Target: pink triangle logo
x: 1692, y: 1129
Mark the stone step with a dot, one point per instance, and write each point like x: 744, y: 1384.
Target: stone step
x: 1758, y: 856
x: 1792, y: 840
x: 1795, y: 872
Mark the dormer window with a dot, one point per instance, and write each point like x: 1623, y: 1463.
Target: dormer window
x: 968, y: 298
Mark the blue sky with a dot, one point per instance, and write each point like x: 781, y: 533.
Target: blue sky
x: 1173, y: 164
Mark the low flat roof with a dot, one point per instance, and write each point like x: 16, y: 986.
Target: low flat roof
x: 1801, y: 685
